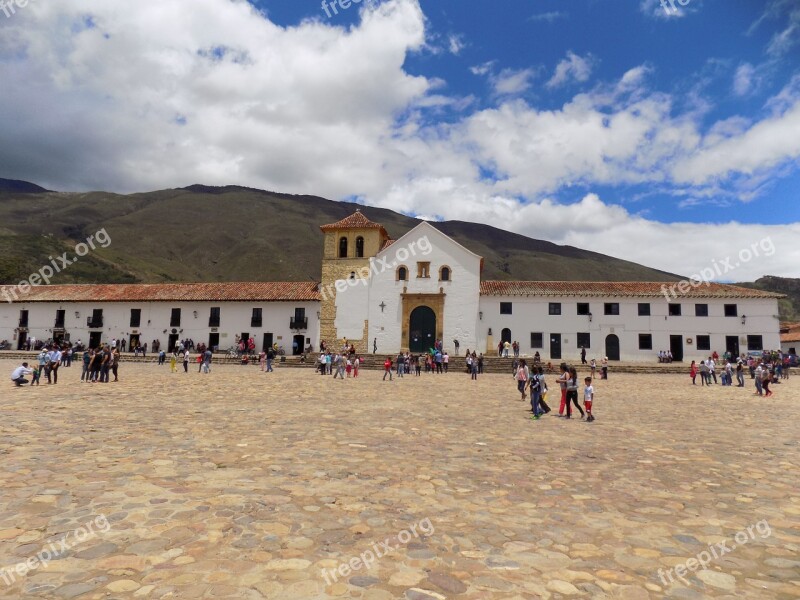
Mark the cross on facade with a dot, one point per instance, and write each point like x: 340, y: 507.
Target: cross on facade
x: 382, y: 305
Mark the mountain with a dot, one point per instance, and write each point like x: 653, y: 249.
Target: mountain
x: 789, y: 307
x: 20, y: 187
x: 233, y: 233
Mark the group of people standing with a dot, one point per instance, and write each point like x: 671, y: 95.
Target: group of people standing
x: 532, y: 380
x: 763, y: 372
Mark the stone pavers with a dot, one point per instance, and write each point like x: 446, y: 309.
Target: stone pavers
x: 239, y: 484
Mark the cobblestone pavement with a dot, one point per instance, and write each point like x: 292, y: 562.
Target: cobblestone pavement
x: 240, y: 484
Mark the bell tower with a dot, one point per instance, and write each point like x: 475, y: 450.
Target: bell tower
x: 348, y: 246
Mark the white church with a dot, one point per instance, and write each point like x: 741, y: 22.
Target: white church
x: 389, y: 295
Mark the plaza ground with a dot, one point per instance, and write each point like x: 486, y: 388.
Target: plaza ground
x: 239, y: 484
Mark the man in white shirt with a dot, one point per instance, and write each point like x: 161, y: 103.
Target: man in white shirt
x: 55, y: 362
x: 18, y: 374
x: 712, y: 368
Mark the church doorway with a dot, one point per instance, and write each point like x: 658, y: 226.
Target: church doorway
x: 422, y: 329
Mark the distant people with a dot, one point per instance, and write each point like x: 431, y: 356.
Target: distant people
x: 693, y: 372
x: 387, y: 368
x: 474, y: 366
x: 588, y: 398
x: 456, y: 345
x: 115, y: 363
x: 572, y: 393
x: 522, y: 379
x: 506, y: 348
x: 563, y: 378
x: 186, y: 360
x: 55, y: 362
x: 19, y: 373
x: 583, y: 355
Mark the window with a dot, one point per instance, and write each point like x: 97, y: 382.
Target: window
x: 343, y: 247
x: 23, y: 318
x: 61, y: 316
x: 505, y: 308
x: 583, y: 308
x: 537, y: 340
x: 359, y: 247
x: 256, y: 318
x: 423, y: 270
x: 644, y: 309
x: 175, y: 318
x: 444, y: 274
x: 299, y: 321
x: 136, y: 317
x: 214, y: 317
x: 402, y: 274
x: 704, y: 342
x: 611, y: 308
x: 701, y: 310
x: 352, y: 275
x: 554, y: 308
x: 731, y: 310
x: 584, y: 340
x: 755, y: 342
x: 646, y: 340
x: 674, y: 310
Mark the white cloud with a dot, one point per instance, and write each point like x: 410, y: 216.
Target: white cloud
x: 549, y: 16
x: 572, y: 68
x: 743, y: 79
x: 455, y: 44
x: 322, y: 109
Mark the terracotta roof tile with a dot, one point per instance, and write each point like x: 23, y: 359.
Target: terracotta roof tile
x: 386, y: 244
x: 355, y: 221
x: 615, y: 288
x: 792, y: 336
x: 272, y: 291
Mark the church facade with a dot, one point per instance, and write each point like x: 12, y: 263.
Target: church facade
x: 386, y: 295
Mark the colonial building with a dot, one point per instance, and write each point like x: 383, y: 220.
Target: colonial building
x: 386, y: 295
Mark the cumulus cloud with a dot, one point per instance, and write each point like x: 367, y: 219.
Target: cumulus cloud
x: 572, y: 68
x: 97, y: 96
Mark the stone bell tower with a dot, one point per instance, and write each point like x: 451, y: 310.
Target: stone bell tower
x: 348, y: 246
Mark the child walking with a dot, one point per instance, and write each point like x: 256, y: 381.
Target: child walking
x: 173, y: 362
x: 588, y: 398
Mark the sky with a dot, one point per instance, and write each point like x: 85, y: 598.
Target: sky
x: 667, y: 134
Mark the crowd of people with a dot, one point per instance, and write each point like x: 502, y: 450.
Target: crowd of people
x: 531, y: 381
x: 767, y: 369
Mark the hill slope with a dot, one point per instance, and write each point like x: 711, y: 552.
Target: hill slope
x: 202, y: 233
x: 789, y: 306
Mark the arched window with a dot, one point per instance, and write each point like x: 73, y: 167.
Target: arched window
x: 343, y: 247
x: 359, y: 247
x: 402, y: 274
x: 444, y: 274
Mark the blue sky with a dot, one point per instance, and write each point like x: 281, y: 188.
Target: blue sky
x: 667, y: 137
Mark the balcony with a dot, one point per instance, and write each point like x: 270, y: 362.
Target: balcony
x: 94, y: 322
x: 298, y: 323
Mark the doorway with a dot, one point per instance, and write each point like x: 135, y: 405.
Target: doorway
x: 555, y: 346
x: 505, y: 336
x: 213, y: 341
x: 133, y: 342
x: 172, y: 342
x: 732, y: 345
x: 676, y: 347
x: 422, y: 329
x: 267, y: 342
x: 23, y: 339
x: 95, y: 337
x: 297, y: 344
x: 612, y: 347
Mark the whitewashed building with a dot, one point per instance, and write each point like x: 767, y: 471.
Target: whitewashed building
x: 211, y: 313
x: 389, y: 295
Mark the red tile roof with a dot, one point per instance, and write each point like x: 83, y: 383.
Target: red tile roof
x: 271, y: 291
x: 386, y: 244
x: 615, y: 288
x: 792, y: 336
x: 355, y: 221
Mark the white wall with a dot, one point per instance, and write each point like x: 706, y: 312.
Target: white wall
x: 531, y: 314
x: 235, y: 318
x: 462, y: 291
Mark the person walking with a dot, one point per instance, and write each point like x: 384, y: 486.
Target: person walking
x: 55, y: 362
x: 270, y: 358
x: 474, y: 360
x: 766, y: 379
x: 115, y: 363
x: 693, y: 372
x: 562, y: 382
x: 583, y: 355
x: 522, y: 376
x: 535, y: 387
x: 739, y: 373
x: 186, y: 360
x: 588, y: 398
x: 387, y: 368
x: 572, y: 393
x: 173, y: 362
